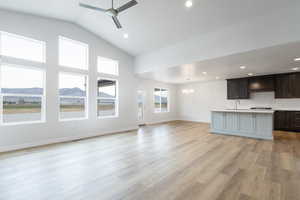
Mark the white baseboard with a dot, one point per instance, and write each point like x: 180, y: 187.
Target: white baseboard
x: 60, y: 140
x: 160, y: 121
x: 192, y: 119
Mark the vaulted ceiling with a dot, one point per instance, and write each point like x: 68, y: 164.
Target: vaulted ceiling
x: 152, y: 24
x: 167, y: 38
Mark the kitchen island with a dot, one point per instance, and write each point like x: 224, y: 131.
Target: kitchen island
x: 243, y: 122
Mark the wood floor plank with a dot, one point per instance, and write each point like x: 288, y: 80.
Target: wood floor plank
x: 168, y: 161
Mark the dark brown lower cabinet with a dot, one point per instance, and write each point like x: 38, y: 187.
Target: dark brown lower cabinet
x: 287, y: 120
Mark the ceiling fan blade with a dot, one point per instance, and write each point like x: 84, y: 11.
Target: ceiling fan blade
x: 91, y: 7
x: 117, y: 22
x: 127, y: 5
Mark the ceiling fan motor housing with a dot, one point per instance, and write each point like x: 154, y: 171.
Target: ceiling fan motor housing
x: 112, y: 12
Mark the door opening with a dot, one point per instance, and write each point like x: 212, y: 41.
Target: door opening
x: 141, y: 107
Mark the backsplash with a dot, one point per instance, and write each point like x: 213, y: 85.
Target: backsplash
x: 267, y: 99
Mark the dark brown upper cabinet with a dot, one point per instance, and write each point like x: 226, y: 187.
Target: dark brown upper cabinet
x: 262, y: 84
x: 238, y: 88
x: 284, y: 85
x: 287, y: 85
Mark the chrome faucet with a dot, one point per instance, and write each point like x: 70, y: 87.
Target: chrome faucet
x: 236, y: 104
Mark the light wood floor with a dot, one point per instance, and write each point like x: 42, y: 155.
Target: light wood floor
x: 178, y: 160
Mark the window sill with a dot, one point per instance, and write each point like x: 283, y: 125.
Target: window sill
x: 161, y: 112
x: 22, y: 123
x: 109, y: 117
x: 73, y: 119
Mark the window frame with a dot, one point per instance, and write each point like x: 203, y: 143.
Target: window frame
x: 43, y: 43
x: 42, y: 96
x: 107, y: 74
x: 86, y: 98
x: 168, y: 100
x: 116, y: 98
x: 86, y: 68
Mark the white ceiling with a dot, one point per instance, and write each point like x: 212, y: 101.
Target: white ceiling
x: 152, y: 24
x: 272, y: 60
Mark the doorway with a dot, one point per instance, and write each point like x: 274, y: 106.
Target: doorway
x: 141, y: 107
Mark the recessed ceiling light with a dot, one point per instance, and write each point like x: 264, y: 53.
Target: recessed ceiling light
x: 295, y: 68
x: 250, y: 74
x: 204, y: 73
x: 188, y: 3
x: 243, y: 67
x: 297, y: 59
x: 217, y: 77
x: 126, y: 35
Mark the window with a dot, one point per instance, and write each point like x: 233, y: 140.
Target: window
x: 108, y: 66
x: 72, y: 96
x: 22, y: 47
x: 73, y: 53
x: 107, y: 98
x: 161, y: 100
x: 22, y: 94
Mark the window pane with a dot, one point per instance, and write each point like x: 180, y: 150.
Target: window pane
x: 19, y: 80
x: 71, y: 108
x: 73, y: 53
x: 106, y: 107
x: 20, y: 47
x: 108, y: 66
x: 164, y: 100
x: 72, y: 85
x: 21, y: 109
x: 107, y: 88
x: 157, y: 100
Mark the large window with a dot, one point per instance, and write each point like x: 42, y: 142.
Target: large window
x: 73, y: 53
x: 17, y: 46
x: 72, y: 96
x: 108, y: 66
x: 22, y: 94
x: 107, y: 100
x: 161, y: 100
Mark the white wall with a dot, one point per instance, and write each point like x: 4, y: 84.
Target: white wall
x: 48, y: 30
x: 210, y: 95
x: 148, y: 87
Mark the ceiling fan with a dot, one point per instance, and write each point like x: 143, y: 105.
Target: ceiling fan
x: 113, y: 12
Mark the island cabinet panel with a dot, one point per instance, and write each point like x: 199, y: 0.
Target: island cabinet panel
x: 230, y: 121
x: 218, y: 121
x: 246, y: 122
x: 254, y: 125
x: 261, y: 121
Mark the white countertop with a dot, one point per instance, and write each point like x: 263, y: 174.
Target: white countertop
x: 287, y: 109
x: 244, y: 111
